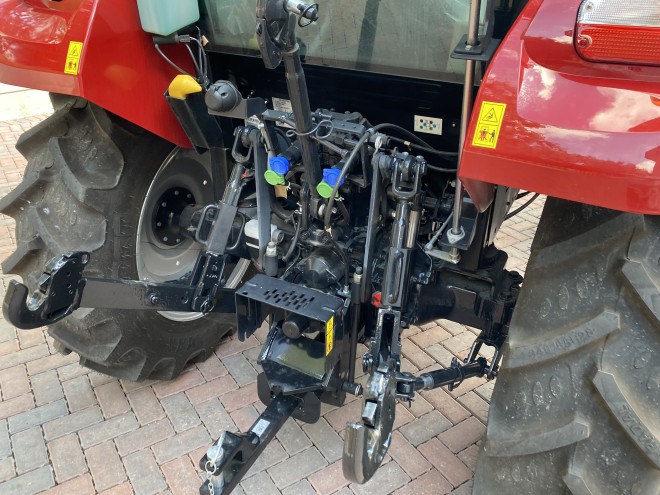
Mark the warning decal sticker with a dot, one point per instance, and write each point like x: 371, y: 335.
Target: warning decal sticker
x: 73, y: 57
x: 329, y: 335
x: 488, y: 127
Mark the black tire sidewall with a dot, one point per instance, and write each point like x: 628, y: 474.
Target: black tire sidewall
x: 145, y: 336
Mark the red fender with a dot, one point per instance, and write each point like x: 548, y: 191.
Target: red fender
x: 118, y: 68
x: 582, y: 131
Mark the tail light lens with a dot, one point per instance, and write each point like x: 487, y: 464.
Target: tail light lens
x: 619, y: 31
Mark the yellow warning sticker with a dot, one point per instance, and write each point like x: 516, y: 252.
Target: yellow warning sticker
x: 329, y: 335
x: 73, y: 57
x: 488, y: 127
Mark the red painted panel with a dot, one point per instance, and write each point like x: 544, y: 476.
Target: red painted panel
x: 583, y: 131
x: 119, y: 70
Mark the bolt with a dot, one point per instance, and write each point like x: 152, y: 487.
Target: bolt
x: 188, y: 196
x: 159, y: 224
x: 164, y: 239
x: 176, y: 193
x: 163, y: 204
x: 367, y: 362
x: 351, y: 388
x: 583, y: 41
x: 178, y: 240
x: 206, y: 307
x: 154, y: 299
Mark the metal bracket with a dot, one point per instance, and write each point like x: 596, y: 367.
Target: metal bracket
x: 59, y: 294
x: 482, y: 52
x: 366, y: 443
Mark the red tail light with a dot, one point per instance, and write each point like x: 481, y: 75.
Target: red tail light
x: 617, y: 31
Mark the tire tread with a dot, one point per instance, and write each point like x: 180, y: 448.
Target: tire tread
x: 73, y: 197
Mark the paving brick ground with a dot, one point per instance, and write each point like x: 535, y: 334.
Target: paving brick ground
x: 67, y: 430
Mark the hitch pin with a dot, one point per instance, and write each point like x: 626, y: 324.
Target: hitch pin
x: 214, y: 453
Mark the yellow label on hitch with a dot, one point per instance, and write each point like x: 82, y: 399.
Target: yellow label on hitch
x: 329, y: 335
x: 73, y: 55
x: 487, y: 131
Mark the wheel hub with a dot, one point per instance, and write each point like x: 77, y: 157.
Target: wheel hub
x: 163, y: 254
x: 167, y: 212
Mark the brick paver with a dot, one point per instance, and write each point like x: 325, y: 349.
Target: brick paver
x: 65, y: 429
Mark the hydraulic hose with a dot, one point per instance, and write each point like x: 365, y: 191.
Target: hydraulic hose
x: 278, y: 209
x: 354, y: 152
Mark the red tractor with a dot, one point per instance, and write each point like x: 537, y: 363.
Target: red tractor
x: 339, y: 170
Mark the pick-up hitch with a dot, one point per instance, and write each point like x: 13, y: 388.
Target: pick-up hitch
x: 232, y: 455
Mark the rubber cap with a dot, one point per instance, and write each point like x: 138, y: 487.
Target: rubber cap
x: 273, y: 178
x: 324, y: 189
x: 279, y: 164
x: 183, y: 85
x: 331, y: 175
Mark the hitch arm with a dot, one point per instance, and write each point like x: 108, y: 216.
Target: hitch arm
x: 63, y: 289
x: 232, y: 455
x: 451, y: 377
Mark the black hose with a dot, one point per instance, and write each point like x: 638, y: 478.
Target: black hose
x: 346, y: 219
x: 351, y: 158
x: 344, y: 171
x: 294, y: 241
x: 278, y: 209
x: 344, y: 259
x: 443, y: 170
x: 521, y: 208
x: 427, y: 148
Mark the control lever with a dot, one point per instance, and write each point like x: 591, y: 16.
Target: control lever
x: 276, y: 37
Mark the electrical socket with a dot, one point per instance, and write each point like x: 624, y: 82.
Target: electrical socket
x: 429, y: 125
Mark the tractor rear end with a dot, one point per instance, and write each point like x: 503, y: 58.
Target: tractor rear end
x: 315, y: 188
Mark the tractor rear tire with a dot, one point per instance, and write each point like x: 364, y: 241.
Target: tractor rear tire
x: 84, y: 189
x: 576, y: 407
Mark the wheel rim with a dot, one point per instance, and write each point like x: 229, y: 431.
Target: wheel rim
x: 161, y: 256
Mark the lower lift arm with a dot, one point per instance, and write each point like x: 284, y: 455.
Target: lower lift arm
x: 63, y: 289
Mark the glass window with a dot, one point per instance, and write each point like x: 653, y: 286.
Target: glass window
x: 408, y: 38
